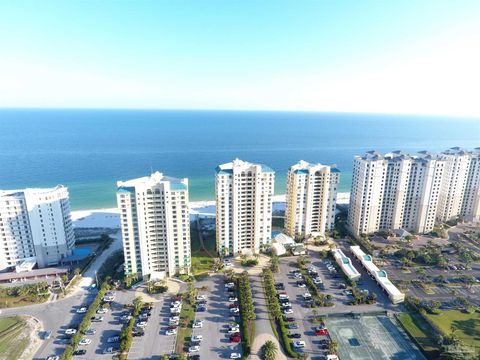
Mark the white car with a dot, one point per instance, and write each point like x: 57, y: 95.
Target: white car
x: 102, y: 311
x: 229, y: 285
x: 108, y: 298
x: 232, y: 299
x: 70, y: 331
x: 299, y: 344
x: 302, y: 285
x: 197, y: 338
x: 233, y: 330
x: 307, y: 295
x: 81, y: 310
x: 201, y: 297
x: 173, y: 321
x: 176, y: 303
x: 53, y: 357
x: 141, y: 324
x: 85, y: 342
x: 197, y: 324
x: 235, y: 356
x: 195, y: 348
x: 171, y: 332
x: 317, y: 280
x: 234, y: 310
x: 288, y: 311
x: 286, y: 305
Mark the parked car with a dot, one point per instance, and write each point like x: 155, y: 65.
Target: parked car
x: 299, y: 344
x: 233, y: 330
x: 288, y: 311
x: 195, y: 348
x: 79, y: 352
x: 235, y: 356
x: 197, y: 324
x: 197, y: 338
x: 292, y: 326
x: 90, y: 331
x: 295, y: 336
x: 81, y: 310
x: 102, y: 311
x: 288, y: 319
x: 85, y: 341
x: 47, y: 335
x: 235, y: 338
x: 70, y: 331
x: 234, y: 310
x: 97, y: 319
x: 201, y: 309
x: 138, y: 332
x: 321, y: 331
x: 141, y: 324
x: 171, y: 332
x: 232, y: 299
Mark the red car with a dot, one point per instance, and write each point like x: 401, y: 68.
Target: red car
x: 235, y: 338
x: 231, y: 306
x: 171, y: 328
x: 319, y: 331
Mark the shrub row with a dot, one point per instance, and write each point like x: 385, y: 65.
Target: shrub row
x: 85, y: 324
x: 247, y: 312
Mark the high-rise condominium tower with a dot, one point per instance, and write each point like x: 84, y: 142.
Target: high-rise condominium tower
x: 35, y: 223
x: 244, y: 206
x: 155, y: 225
x: 311, y: 199
x: 395, y: 191
x: 460, y: 193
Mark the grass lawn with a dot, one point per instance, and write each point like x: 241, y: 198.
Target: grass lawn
x: 467, y: 325
x: 420, y: 330
x: 201, y: 259
x: 13, y: 337
x: 187, y: 315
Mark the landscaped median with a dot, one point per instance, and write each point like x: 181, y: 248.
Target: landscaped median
x: 247, y: 312
x: 187, y: 316
x: 275, y: 311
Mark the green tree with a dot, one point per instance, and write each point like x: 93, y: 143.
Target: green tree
x: 269, y: 350
x: 274, y: 263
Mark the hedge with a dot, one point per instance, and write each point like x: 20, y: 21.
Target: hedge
x: 247, y: 312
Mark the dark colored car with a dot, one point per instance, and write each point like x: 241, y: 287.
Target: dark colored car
x: 200, y: 309
x: 288, y: 319
x: 280, y: 286
x: 294, y: 336
x: 138, y: 333
x: 79, y: 352
x: 292, y: 326
x: 235, y: 338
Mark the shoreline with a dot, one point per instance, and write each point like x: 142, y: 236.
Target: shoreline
x: 110, y: 217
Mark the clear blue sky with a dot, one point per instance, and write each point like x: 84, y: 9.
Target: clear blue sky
x: 374, y: 56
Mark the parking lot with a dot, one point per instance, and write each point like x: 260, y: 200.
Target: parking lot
x: 300, y: 313
x: 154, y: 342
x: 216, y: 343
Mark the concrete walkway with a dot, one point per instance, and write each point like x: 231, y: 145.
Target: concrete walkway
x: 263, y: 328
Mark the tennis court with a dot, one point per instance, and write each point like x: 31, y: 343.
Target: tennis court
x: 371, y: 337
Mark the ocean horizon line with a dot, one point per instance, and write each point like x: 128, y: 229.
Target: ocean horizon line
x: 299, y: 111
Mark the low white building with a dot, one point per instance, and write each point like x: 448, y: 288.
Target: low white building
x: 380, y: 276
x: 345, y: 264
x: 281, y: 242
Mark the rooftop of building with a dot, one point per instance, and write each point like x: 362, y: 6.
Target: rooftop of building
x: 304, y: 167
x: 421, y: 156
x: 20, y: 192
x: 151, y: 180
x: 240, y: 165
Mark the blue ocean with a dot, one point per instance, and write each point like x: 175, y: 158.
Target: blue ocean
x: 89, y: 150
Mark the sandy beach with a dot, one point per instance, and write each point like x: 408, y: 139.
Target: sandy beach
x: 110, y: 218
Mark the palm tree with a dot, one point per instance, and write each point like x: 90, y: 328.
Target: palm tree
x: 269, y: 350
x: 274, y: 263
